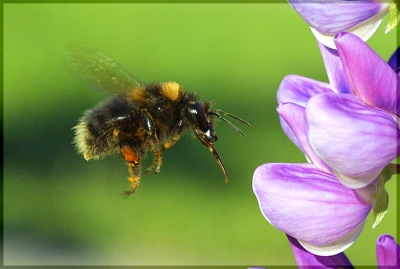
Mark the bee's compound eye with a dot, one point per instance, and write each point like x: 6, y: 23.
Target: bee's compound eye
x: 198, y: 116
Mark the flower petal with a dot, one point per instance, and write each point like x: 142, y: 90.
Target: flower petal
x: 336, y: 16
x: 364, y: 30
x: 298, y: 90
x: 337, y: 246
x: 387, y: 252
x: 369, y: 77
x: 294, y: 126
x: 305, y: 258
x: 334, y: 69
x: 303, y: 201
x: 354, y: 139
x: 289, y: 124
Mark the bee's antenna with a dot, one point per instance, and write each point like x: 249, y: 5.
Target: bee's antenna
x: 216, y: 113
x: 230, y: 115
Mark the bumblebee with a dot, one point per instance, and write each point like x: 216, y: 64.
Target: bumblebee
x: 138, y: 118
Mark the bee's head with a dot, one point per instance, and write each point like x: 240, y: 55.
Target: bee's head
x: 201, y: 118
x: 202, y: 122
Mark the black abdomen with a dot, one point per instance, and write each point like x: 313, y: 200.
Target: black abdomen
x: 99, y: 128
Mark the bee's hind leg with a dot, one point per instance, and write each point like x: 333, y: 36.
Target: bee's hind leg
x: 134, y: 179
x: 134, y: 168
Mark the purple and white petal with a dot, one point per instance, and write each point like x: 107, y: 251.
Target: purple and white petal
x: 308, y: 204
x: 361, y: 18
x: 354, y: 139
x: 298, y: 90
x: 306, y: 258
x: 293, y: 124
x: 337, y: 246
x: 336, y: 16
x: 364, y: 30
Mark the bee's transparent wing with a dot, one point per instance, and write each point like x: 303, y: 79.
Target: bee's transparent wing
x: 99, y: 70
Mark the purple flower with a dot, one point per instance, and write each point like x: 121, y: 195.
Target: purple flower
x: 351, y: 125
x: 349, y: 131
x: 361, y: 18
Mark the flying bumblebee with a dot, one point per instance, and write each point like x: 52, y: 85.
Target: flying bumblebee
x: 138, y: 118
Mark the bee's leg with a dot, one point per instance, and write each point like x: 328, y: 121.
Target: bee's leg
x: 154, y: 143
x: 135, y: 171
x: 134, y: 168
x: 157, y: 160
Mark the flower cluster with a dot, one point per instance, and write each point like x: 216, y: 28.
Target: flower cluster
x: 348, y: 130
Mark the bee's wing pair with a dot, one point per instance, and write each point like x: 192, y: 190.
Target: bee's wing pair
x: 99, y: 70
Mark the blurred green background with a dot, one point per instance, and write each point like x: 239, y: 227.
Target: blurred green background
x: 61, y: 210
